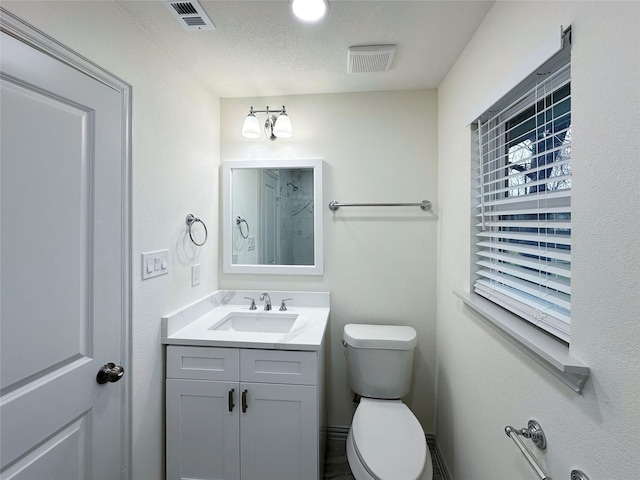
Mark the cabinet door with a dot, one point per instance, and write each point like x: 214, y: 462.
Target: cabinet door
x: 202, y: 434
x: 279, y: 432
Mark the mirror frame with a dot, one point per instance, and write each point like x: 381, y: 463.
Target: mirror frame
x: 227, y: 217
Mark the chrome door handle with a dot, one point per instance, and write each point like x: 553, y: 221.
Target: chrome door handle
x: 109, y: 372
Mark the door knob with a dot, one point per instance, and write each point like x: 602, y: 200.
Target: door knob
x: 109, y: 372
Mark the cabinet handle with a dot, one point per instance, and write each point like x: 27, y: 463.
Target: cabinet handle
x: 231, y: 405
x: 244, y: 401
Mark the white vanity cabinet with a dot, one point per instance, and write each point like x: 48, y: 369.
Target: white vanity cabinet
x: 239, y: 413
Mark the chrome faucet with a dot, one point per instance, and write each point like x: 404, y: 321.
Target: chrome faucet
x: 267, y: 300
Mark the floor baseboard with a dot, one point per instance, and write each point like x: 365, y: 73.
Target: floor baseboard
x: 337, y: 433
x: 340, y: 433
x: 437, y: 456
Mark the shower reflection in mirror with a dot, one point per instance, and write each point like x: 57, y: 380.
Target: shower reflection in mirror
x: 281, y: 205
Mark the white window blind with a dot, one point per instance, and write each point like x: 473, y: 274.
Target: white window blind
x: 521, y: 199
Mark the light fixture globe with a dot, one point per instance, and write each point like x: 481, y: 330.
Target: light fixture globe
x: 282, y: 128
x: 251, y: 127
x: 309, y: 10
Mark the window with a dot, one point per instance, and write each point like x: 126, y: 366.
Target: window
x: 521, y: 199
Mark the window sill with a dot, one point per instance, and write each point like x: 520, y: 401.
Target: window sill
x: 550, y: 353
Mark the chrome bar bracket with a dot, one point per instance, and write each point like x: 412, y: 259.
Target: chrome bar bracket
x: 578, y: 475
x: 535, y: 433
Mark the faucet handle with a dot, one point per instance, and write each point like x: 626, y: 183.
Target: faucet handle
x: 253, y: 303
x: 283, y: 307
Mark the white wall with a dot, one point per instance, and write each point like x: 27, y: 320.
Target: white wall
x: 379, y: 263
x: 175, y: 172
x: 484, y: 382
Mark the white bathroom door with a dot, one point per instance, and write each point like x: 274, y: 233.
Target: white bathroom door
x: 64, y: 268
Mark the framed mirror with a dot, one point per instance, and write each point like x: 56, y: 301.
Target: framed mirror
x: 272, y: 217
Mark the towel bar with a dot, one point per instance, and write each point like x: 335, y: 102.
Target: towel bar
x: 535, y: 433
x: 424, y: 205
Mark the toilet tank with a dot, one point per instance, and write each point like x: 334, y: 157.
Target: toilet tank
x: 379, y: 359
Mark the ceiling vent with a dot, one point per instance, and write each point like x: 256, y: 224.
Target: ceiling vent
x: 190, y: 15
x: 370, y: 58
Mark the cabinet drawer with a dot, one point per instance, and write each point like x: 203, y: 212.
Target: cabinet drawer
x: 203, y: 363
x: 278, y: 366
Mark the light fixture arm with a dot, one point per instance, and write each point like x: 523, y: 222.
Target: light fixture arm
x: 267, y: 111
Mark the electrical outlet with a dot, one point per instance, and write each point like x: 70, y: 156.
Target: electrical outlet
x: 195, y: 274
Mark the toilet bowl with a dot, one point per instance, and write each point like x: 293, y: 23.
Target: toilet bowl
x: 386, y: 442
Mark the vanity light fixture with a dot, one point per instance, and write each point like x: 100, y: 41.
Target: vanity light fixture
x: 274, y: 127
x: 309, y: 10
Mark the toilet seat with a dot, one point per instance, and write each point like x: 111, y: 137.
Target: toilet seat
x: 389, y: 441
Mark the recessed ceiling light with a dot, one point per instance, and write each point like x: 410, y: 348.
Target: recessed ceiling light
x: 309, y: 10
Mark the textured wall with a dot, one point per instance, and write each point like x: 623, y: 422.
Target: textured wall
x: 175, y: 171
x: 483, y: 381
x: 379, y: 263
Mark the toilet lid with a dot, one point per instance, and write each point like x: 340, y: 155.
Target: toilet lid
x: 389, y: 440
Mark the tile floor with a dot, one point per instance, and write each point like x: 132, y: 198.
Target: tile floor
x: 336, y: 466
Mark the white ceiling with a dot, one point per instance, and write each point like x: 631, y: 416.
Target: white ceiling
x: 259, y: 49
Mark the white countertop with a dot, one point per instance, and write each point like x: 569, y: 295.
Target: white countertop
x: 191, y: 325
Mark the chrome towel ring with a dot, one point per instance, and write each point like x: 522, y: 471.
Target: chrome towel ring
x: 239, y: 221
x: 191, y: 220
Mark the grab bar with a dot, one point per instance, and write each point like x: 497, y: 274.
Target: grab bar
x: 535, y: 433
x: 424, y: 205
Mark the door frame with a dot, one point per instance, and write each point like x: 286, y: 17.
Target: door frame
x: 263, y: 207
x: 28, y: 34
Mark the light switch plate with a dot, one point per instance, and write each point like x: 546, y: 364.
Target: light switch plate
x: 155, y: 263
x: 195, y: 274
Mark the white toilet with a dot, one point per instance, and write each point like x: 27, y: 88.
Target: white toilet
x: 385, y: 441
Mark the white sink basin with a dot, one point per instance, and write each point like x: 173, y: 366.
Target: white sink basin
x: 264, y: 322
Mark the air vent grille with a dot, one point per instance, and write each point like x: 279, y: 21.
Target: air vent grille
x: 194, y: 21
x: 184, y: 8
x: 370, y: 58
x: 190, y: 15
